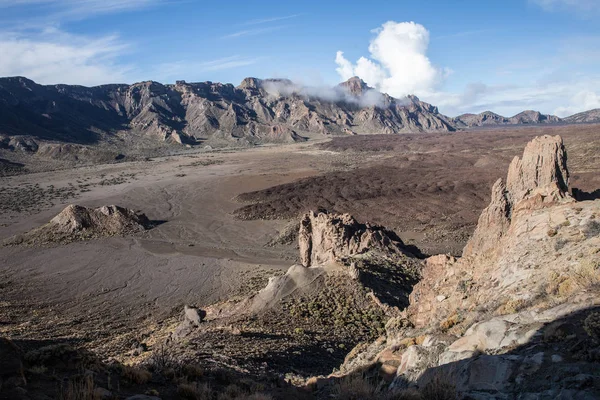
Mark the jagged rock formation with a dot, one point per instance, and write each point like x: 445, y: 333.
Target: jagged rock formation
x: 500, y: 320
x: 324, y: 238
x: 355, y: 278
x: 591, y: 116
x: 540, y: 176
x: 253, y: 112
x: 488, y: 118
x: 80, y: 223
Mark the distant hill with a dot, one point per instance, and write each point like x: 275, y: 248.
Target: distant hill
x: 585, y: 117
x: 488, y: 118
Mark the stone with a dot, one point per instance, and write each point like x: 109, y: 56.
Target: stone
x: 193, y: 315
x: 540, y: 176
x: 326, y: 238
x: 556, y: 358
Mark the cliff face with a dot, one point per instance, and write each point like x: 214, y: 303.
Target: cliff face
x: 255, y: 111
x: 512, y: 310
x: 540, y: 177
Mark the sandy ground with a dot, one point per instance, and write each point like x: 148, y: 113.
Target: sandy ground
x: 200, y: 253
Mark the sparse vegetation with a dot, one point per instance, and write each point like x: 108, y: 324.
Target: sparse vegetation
x: 136, y: 375
x: 78, y: 388
x: 592, y: 325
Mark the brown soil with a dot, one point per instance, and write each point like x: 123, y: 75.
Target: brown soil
x: 429, y: 188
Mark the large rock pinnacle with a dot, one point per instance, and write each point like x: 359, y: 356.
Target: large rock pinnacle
x: 538, y: 179
x: 324, y: 238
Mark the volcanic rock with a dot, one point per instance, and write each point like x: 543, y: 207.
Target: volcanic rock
x: 324, y: 238
x: 540, y: 176
x: 531, y: 266
x: 80, y: 223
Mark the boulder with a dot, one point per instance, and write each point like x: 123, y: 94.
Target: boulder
x: 327, y: 238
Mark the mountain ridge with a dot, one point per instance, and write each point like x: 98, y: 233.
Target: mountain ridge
x: 217, y: 114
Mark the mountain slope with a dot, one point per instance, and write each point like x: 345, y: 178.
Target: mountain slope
x: 255, y: 111
x: 590, y: 116
x: 488, y: 118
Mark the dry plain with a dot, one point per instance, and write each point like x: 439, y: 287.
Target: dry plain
x: 216, y: 213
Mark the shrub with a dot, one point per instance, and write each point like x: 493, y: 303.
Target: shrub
x: 354, y: 387
x: 192, y: 371
x: 163, y: 359
x: 192, y: 391
x: 592, y: 325
x: 450, y: 322
x: 439, y: 389
x: 79, y: 388
x: 136, y: 375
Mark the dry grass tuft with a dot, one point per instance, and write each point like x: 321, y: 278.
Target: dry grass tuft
x: 136, y: 375
x: 354, y: 387
x: 191, y: 391
x: 78, y: 389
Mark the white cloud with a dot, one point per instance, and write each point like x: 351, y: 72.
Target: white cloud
x: 398, y: 64
x: 252, y: 32
x: 272, y: 19
x: 581, y: 101
x: 52, y: 56
x: 569, y: 5
x: 189, y: 69
x: 79, y: 8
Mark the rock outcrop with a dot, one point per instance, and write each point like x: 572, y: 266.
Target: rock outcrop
x: 540, y: 177
x: 324, y: 238
x: 496, y: 323
x: 80, y: 223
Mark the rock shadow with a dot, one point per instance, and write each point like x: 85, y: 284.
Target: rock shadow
x: 562, y: 360
x: 581, y: 195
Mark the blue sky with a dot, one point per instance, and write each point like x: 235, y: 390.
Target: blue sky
x: 464, y: 56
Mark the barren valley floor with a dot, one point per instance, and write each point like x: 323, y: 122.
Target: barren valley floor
x: 209, y: 244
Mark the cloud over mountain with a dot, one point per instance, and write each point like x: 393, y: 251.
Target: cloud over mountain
x: 398, y: 62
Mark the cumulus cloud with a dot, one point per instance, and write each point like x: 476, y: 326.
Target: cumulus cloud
x: 52, y: 56
x: 398, y: 63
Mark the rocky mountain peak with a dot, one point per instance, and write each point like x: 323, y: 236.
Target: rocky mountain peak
x: 355, y: 86
x: 537, y: 179
x: 250, y: 83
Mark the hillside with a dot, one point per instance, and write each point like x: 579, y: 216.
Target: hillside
x: 255, y: 111
x: 591, y: 116
x: 488, y: 118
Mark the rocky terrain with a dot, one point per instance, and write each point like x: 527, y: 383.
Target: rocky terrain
x: 81, y: 223
x: 519, y: 307
x: 58, y: 126
x: 206, y: 305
